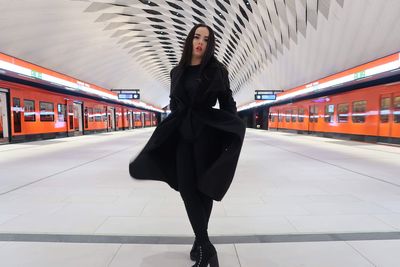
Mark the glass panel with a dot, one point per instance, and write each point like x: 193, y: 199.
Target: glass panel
x: 294, y: 115
x: 91, y: 116
x: 61, y: 112
x: 385, y: 109
x: 314, y: 114
x: 71, y: 116
x: 17, y: 114
x: 46, y: 111
x: 86, y: 117
x: 272, y: 116
x: 1, y: 116
x: 104, y: 113
x: 329, y: 111
x: 343, y: 112
x: 396, y: 109
x: 359, y: 109
x: 29, y: 110
x: 301, y: 114
x: 288, y: 115
x: 97, y: 114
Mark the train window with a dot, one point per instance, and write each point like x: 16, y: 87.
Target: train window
x: 104, y: 113
x: 359, y: 109
x: 396, y: 111
x: 343, y: 112
x: 46, y: 111
x: 62, y: 112
x: 272, y: 116
x: 280, y: 117
x: 137, y: 116
x: 97, y: 114
x: 301, y: 114
x: 294, y: 115
x: 329, y: 111
x: 91, y: 116
x: 385, y: 110
x: 288, y: 115
x: 29, y: 110
x: 313, y: 113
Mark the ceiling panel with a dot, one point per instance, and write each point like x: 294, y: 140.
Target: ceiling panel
x: 270, y: 44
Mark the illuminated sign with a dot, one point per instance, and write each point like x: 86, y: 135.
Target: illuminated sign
x: 128, y: 96
x: 265, y: 97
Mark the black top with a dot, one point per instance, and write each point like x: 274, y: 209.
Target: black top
x: 191, y: 80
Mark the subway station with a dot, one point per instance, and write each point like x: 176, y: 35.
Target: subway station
x: 232, y: 133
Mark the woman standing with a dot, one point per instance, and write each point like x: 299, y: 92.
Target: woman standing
x: 196, y: 148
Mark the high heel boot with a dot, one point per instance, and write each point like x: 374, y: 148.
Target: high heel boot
x: 207, y: 256
x: 194, y: 252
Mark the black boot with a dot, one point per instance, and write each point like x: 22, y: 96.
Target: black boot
x: 194, y: 252
x: 207, y: 256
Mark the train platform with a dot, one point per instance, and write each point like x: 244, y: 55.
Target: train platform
x: 296, y: 200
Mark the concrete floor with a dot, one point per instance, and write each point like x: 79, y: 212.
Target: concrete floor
x: 295, y: 201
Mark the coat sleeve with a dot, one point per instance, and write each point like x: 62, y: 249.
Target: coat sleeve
x: 226, y: 101
x: 172, y: 101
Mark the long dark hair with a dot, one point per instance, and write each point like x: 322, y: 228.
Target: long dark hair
x: 208, y: 56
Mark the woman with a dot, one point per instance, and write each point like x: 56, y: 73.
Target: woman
x: 196, y: 148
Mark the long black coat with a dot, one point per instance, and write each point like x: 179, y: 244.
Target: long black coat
x: 216, y: 149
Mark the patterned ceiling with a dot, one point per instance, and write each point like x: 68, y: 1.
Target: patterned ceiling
x: 268, y: 44
x: 249, y: 33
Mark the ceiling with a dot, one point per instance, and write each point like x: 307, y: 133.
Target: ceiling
x: 269, y: 44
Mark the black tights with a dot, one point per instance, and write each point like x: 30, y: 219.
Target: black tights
x: 198, y: 205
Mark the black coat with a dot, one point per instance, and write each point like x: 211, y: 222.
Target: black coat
x: 216, y: 149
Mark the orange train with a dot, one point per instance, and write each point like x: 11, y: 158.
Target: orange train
x: 29, y: 112
x: 368, y: 114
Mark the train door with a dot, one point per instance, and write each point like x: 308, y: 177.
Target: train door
x: 312, y: 117
x: 116, y: 119
x: 385, y: 116
x: 130, y: 122
x: 111, y: 119
x: 4, y: 138
x: 279, y: 119
x: 16, y: 109
x: 86, y: 116
x: 151, y: 119
x: 78, y: 118
x: 396, y: 116
x: 70, y: 117
x: 143, y: 117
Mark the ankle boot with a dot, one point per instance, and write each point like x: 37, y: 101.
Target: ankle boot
x: 207, y: 256
x: 194, y: 252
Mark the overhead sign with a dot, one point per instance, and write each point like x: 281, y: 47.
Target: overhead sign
x: 128, y: 96
x: 265, y: 96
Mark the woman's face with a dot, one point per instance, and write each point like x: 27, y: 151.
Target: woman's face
x: 200, y: 41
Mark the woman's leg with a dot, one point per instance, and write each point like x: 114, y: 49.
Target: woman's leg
x: 192, y: 198
x: 207, y: 205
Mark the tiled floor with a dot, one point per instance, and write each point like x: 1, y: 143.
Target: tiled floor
x: 285, y: 185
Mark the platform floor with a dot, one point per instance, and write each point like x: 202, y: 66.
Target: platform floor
x: 296, y: 200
